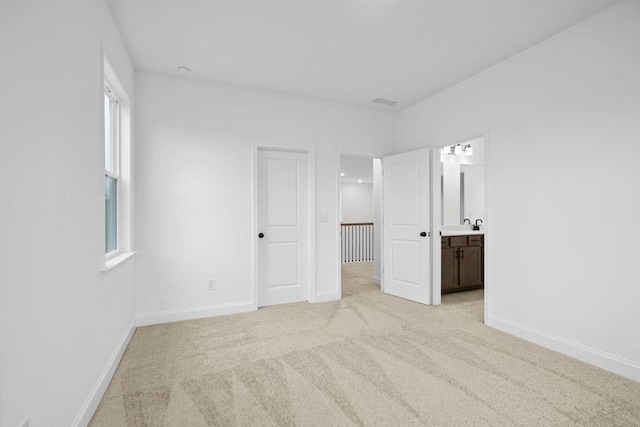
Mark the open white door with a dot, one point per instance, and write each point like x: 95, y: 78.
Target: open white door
x: 407, y: 226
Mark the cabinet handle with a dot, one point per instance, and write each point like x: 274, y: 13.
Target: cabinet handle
x: 461, y: 254
x: 457, y: 253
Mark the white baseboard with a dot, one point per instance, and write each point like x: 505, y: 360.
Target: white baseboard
x: 154, y: 318
x: 326, y: 296
x: 376, y: 280
x: 93, y: 400
x: 601, y: 359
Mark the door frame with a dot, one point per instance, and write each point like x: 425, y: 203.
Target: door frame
x: 311, y: 219
x: 338, y: 227
x: 436, y: 220
x: 436, y: 203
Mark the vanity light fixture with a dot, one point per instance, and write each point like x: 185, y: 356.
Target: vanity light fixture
x: 458, y: 149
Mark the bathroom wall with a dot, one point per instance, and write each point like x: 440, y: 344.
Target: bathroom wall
x: 452, y: 165
x: 473, y: 192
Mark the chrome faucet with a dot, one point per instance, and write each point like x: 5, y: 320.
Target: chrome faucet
x: 466, y: 220
x: 476, y: 227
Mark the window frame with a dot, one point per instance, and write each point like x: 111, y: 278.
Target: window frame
x: 121, y: 168
x: 114, y: 105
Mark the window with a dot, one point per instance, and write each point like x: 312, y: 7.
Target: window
x: 117, y: 171
x: 111, y: 169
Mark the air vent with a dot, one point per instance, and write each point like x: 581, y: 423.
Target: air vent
x: 384, y: 101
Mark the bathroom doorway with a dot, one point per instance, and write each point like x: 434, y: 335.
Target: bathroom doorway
x: 460, y: 212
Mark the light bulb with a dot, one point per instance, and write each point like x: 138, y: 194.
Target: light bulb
x: 468, y: 150
x: 457, y: 150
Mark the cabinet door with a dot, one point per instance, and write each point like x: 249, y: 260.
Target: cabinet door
x: 449, y: 279
x: 470, y: 266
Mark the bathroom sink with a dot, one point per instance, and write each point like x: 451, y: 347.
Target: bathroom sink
x: 461, y: 232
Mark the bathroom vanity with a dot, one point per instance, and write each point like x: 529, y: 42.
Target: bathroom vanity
x: 462, y: 262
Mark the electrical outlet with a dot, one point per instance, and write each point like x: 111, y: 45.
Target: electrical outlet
x: 212, y: 285
x: 25, y: 423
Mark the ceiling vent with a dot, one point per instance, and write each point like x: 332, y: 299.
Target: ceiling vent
x: 383, y: 101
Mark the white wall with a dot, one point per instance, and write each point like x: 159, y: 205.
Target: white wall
x: 194, y: 186
x: 562, y: 177
x: 357, y: 202
x: 60, y: 318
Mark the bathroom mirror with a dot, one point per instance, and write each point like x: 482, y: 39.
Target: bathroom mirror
x: 462, y: 182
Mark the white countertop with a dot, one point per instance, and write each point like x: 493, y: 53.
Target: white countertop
x: 460, y: 232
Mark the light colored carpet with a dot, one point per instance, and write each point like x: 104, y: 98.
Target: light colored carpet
x: 369, y: 359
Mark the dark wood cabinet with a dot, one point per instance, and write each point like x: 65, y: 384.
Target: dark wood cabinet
x: 449, y: 269
x: 462, y: 263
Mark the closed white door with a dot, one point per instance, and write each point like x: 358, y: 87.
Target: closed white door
x: 406, y: 222
x: 282, y: 227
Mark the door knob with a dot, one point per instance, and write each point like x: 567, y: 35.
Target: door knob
x: 423, y: 234
x: 261, y: 235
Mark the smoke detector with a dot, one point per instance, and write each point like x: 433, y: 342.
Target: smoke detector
x: 184, y: 71
x: 384, y: 101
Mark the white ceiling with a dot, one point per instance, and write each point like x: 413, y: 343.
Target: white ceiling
x: 348, y: 51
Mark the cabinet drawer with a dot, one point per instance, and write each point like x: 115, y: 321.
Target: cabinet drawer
x: 475, y: 240
x: 444, y: 242
x: 458, y: 241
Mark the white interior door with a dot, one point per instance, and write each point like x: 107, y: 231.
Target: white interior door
x: 406, y: 222
x: 282, y: 227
